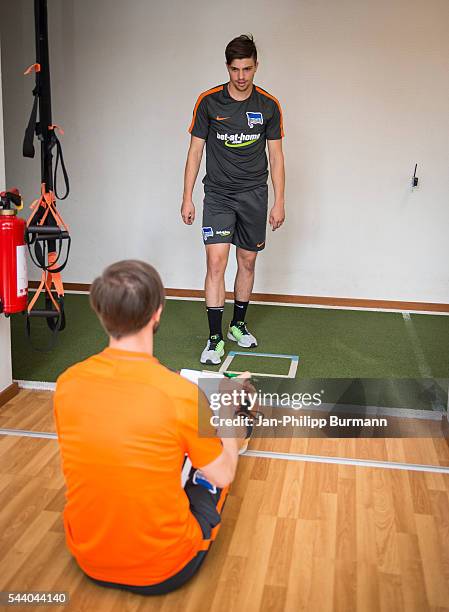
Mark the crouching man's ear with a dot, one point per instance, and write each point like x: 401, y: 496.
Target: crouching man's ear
x: 155, y: 319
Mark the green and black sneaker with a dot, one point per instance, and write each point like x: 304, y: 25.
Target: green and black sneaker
x: 238, y: 332
x: 214, y: 350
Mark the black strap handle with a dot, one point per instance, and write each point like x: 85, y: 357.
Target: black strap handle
x: 28, y: 141
x: 55, y: 321
x: 48, y: 235
x: 60, y: 159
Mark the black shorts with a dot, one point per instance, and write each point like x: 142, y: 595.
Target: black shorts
x: 206, y: 507
x: 236, y: 218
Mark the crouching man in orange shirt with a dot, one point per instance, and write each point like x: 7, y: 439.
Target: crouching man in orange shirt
x: 125, y: 424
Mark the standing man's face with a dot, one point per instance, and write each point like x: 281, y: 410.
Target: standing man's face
x: 241, y: 73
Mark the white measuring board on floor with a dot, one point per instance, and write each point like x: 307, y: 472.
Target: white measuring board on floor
x: 294, y: 361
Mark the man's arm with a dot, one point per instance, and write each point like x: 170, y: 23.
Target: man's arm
x: 221, y: 471
x: 276, y: 156
x: 193, y: 163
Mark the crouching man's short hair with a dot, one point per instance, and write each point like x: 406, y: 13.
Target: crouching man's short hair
x: 126, y: 296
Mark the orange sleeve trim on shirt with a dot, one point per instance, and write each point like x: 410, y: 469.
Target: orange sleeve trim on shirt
x: 264, y: 93
x: 198, y: 102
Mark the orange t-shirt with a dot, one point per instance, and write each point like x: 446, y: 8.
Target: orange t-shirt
x: 124, y: 424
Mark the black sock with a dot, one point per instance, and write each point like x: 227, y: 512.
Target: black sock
x: 215, y: 316
x: 239, y: 311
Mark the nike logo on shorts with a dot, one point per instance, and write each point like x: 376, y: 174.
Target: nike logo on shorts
x: 260, y: 245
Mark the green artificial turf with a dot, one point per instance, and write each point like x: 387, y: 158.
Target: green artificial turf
x: 330, y: 343
x: 433, y: 335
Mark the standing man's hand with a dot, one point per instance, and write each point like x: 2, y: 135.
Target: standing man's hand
x: 276, y: 155
x: 277, y: 215
x: 191, y: 172
x: 188, y: 212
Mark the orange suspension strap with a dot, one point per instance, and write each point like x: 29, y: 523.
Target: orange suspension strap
x: 46, y: 232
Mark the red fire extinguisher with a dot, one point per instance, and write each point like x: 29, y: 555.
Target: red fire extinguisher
x: 13, y: 266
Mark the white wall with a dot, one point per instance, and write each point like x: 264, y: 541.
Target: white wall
x: 364, y: 88
x: 5, y: 339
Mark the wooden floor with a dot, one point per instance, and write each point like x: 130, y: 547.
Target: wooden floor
x: 33, y: 410
x: 295, y: 535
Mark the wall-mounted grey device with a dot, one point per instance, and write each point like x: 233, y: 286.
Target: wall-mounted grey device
x: 415, y: 178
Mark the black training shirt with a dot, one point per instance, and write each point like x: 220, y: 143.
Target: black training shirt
x: 236, y: 133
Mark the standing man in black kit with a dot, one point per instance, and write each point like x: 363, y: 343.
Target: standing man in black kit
x: 235, y: 120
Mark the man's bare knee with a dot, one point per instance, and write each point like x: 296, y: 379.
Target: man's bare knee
x: 216, y: 267
x: 246, y: 261
x: 216, y: 264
